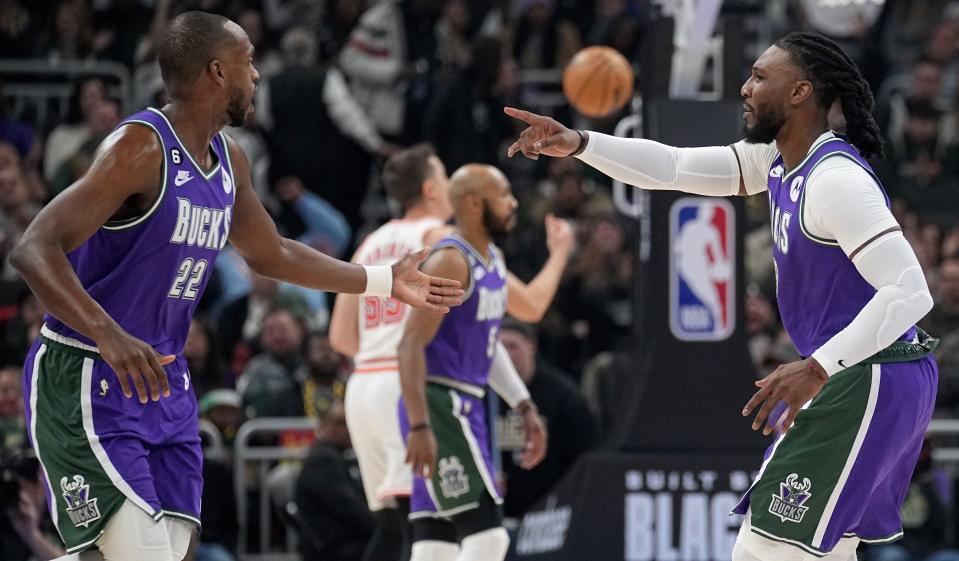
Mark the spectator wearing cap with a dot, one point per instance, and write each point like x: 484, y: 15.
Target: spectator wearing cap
x: 571, y: 425
x: 224, y: 408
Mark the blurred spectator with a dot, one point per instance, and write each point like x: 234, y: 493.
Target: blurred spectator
x: 944, y: 317
x: 340, y: 18
x: 924, y: 519
x: 13, y: 435
x: 452, y: 36
x: 612, y: 24
x: 26, y: 531
x: 21, y: 136
x: 241, y: 320
x: 332, y: 515
x: 913, y: 168
x: 121, y: 29
x: 18, y: 28
x: 16, y: 213
x: 21, y: 326
x: 271, y: 384
x: 925, y: 84
x: 310, y: 219
x: 596, y: 298
x: 268, y: 61
x: 762, y: 325
x: 207, y: 371
x: 313, y: 119
x: 571, y: 425
x: 326, y: 376
x: 541, y: 39
x: 377, y: 64
x: 77, y: 127
x: 102, y: 120
x: 223, y: 408
x: 70, y: 33
x: 942, y: 45
x: 220, y: 535
x: 472, y: 99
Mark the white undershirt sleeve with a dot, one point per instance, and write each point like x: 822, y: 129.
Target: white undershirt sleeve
x: 843, y: 203
x: 711, y: 171
x: 505, y: 380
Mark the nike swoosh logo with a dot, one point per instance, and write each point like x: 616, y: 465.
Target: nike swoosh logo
x: 841, y: 364
x: 180, y: 180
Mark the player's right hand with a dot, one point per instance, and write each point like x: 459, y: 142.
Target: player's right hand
x: 421, y: 453
x: 135, y: 361
x: 559, y: 235
x: 543, y: 136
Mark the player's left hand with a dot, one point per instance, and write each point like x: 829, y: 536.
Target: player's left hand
x: 794, y: 384
x: 536, y: 439
x: 411, y: 286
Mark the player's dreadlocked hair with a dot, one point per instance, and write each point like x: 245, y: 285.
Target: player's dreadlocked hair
x: 835, y: 76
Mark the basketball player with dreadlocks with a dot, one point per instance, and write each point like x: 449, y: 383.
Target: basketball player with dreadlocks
x: 850, y: 292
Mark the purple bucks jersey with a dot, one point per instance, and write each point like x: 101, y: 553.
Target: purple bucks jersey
x: 818, y: 288
x: 148, y: 272
x: 464, y: 344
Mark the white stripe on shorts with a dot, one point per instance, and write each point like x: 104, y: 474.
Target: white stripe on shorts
x: 86, y: 407
x: 34, y: 378
x: 851, y: 459
x: 474, y: 447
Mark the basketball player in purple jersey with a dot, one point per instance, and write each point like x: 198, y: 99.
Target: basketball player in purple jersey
x: 850, y: 291
x: 445, y: 366
x: 120, y: 260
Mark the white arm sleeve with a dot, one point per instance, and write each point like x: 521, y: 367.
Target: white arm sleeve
x: 711, y: 171
x: 505, y: 380
x: 844, y: 203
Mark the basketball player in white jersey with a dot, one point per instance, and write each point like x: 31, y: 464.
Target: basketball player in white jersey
x: 369, y: 330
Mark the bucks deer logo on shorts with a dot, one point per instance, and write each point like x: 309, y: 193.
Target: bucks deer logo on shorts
x: 82, y: 509
x: 788, y: 505
x: 453, y: 479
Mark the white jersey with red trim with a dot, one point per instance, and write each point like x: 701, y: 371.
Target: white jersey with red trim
x: 382, y: 320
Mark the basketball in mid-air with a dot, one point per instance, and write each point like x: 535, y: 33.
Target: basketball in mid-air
x: 598, y: 81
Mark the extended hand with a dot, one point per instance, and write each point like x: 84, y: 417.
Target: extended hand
x: 413, y: 287
x: 559, y: 236
x: 421, y: 452
x: 543, y: 136
x: 133, y: 360
x: 536, y: 439
x: 794, y: 384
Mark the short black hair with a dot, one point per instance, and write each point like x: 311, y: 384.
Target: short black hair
x: 405, y: 172
x: 189, y: 44
x: 836, y: 77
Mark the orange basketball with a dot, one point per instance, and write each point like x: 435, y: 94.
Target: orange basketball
x: 598, y: 81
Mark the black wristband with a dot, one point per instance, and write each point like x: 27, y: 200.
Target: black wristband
x: 419, y: 426
x: 582, y: 143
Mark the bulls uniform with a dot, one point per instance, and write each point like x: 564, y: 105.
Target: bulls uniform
x: 840, y: 474
x: 97, y: 447
x: 373, y: 390
x: 458, y: 361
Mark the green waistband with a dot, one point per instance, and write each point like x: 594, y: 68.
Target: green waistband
x: 905, y: 351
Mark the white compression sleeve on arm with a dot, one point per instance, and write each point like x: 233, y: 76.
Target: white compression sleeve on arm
x: 504, y: 379
x: 844, y: 203
x: 711, y: 171
x: 902, y: 299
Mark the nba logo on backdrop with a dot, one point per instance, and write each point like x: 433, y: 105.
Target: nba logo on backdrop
x: 702, y: 268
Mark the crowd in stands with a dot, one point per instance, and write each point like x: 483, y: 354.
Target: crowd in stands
x: 346, y: 83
